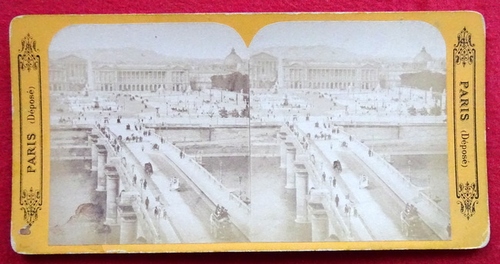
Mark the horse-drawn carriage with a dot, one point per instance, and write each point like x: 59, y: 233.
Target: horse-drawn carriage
x: 220, y: 224
x: 175, y: 184
x: 156, y: 147
x: 148, y: 168
x: 337, y: 166
x: 411, y: 224
x: 363, y: 182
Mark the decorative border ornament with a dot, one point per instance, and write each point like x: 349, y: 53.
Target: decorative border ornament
x: 467, y: 194
x: 465, y: 54
x: 32, y: 202
x: 28, y: 60
x: 465, y: 129
x: 30, y: 132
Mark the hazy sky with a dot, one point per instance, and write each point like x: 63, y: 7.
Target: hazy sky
x: 381, y: 39
x: 212, y: 40
x: 192, y: 40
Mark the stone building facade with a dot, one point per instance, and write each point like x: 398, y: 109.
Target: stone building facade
x: 69, y: 73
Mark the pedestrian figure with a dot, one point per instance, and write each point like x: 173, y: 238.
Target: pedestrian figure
x: 334, y: 182
x: 145, y: 184
x: 355, y: 212
x: 156, y: 212
x: 164, y: 214
x: 147, y: 203
x: 143, y: 148
x: 346, y: 209
x: 134, y: 180
x: 337, y: 200
x: 323, y: 176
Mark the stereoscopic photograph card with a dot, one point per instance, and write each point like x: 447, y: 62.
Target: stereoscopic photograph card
x: 248, y: 132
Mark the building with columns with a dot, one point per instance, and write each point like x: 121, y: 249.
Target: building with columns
x: 263, y: 70
x: 286, y: 68
x: 143, y: 78
x: 69, y: 73
x: 329, y: 75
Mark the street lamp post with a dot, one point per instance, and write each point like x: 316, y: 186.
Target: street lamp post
x: 349, y: 222
x: 409, y: 170
x: 220, y: 172
x: 241, y: 187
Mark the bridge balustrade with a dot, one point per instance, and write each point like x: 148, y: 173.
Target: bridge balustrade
x: 342, y: 229
x: 149, y: 229
x: 220, y: 194
x: 394, y: 179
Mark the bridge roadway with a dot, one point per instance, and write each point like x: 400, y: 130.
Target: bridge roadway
x: 378, y: 206
x: 201, y: 122
x: 189, y: 208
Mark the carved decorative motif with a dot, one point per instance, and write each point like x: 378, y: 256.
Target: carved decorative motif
x: 467, y: 199
x: 27, y: 54
x: 464, y: 48
x: 31, y: 202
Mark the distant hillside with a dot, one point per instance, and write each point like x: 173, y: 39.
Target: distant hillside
x: 319, y: 53
x: 116, y: 56
x: 322, y: 53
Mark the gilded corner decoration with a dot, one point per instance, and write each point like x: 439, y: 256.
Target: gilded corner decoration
x: 467, y: 193
x: 32, y: 202
x: 27, y: 54
x: 465, y: 48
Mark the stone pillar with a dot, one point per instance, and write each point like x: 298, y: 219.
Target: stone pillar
x: 102, y: 154
x: 128, y: 229
x: 290, y: 167
x: 127, y: 198
x: 93, y: 141
x: 319, y: 226
x: 281, y: 142
x: 301, y: 193
x: 125, y: 210
x: 112, y: 187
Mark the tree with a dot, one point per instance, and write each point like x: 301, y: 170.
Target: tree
x: 217, y: 81
x: 424, y: 80
x: 234, y: 82
x: 235, y: 113
x: 194, y: 85
x: 412, y: 110
x: 223, y: 113
x: 423, y: 111
x: 435, y: 110
x: 245, y: 112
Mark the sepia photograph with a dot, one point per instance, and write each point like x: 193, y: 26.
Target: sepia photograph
x: 178, y: 133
